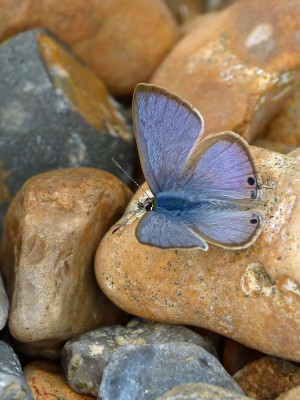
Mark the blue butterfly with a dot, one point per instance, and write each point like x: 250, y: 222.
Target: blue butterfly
x: 205, y: 189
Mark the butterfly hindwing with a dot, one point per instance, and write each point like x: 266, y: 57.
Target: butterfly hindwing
x: 166, y: 127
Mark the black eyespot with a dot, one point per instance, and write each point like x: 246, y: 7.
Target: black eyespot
x: 251, y: 181
x: 254, y: 221
x: 148, y: 206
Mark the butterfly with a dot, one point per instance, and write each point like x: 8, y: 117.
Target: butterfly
x: 205, y: 190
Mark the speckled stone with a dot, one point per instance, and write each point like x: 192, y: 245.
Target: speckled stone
x: 239, y: 69
x: 122, y: 41
x: 200, y: 391
x: 3, y: 305
x: 13, y: 385
x: 84, y: 357
x: 144, y: 372
x: 268, y: 377
x: 250, y: 295
x: 50, y: 235
x: 54, y: 113
x: 47, y: 381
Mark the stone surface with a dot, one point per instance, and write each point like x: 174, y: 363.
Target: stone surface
x: 293, y: 394
x: 250, y: 295
x: 213, y: 5
x: 274, y: 146
x: 84, y: 357
x: 295, y: 154
x: 12, y: 382
x: 184, y: 10
x: 54, y: 113
x: 50, y: 235
x: 268, y: 377
x: 285, y: 126
x: 239, y: 69
x: 122, y: 41
x: 200, y: 391
x: 47, y: 381
x: 3, y: 305
x: 146, y: 371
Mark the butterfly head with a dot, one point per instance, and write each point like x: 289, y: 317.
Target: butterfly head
x: 147, y: 205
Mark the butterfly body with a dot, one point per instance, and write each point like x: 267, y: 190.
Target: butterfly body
x: 204, y: 190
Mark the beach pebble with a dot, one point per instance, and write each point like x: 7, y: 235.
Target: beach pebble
x: 146, y: 371
x: 239, y: 69
x: 122, y: 41
x: 4, y: 305
x: 51, y: 231
x: 54, y: 113
x: 268, y: 377
x: 12, y: 382
x: 47, y: 381
x: 250, y: 295
x: 85, y: 356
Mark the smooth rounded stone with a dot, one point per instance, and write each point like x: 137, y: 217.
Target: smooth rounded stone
x: 84, y: 357
x: 47, y: 381
x: 55, y: 113
x: 50, y: 235
x: 213, y: 5
x: 268, y: 377
x: 4, y: 305
x: 239, y: 69
x: 123, y: 42
x: 285, y: 126
x: 250, y: 295
x: 184, y: 10
x: 274, y: 146
x: 13, y: 385
x: 146, y: 371
x: 295, y: 154
x: 200, y: 391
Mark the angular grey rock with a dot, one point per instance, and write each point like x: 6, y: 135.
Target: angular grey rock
x: 84, y: 357
x: 13, y: 385
x: 4, y: 305
x: 41, y: 130
x: 200, y: 391
x: 144, y: 372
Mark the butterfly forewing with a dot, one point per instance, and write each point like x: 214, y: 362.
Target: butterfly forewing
x: 166, y: 127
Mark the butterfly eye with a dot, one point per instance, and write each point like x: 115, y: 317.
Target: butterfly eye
x: 254, y: 221
x: 251, y: 181
x: 148, y: 207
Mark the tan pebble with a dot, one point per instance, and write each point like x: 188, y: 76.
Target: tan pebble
x: 50, y: 235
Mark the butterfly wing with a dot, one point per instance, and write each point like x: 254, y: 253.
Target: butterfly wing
x: 221, y: 167
x: 158, y: 230
x: 220, y: 170
x: 166, y: 127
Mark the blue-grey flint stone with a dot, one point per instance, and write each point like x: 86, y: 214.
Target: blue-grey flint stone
x: 200, y: 391
x: 13, y: 385
x: 144, y: 372
x: 40, y: 130
x: 84, y: 357
x: 3, y: 305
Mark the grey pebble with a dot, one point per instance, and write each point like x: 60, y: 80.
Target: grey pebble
x: 4, y: 305
x: 144, y: 372
x: 200, y: 391
x: 84, y: 357
x: 13, y: 385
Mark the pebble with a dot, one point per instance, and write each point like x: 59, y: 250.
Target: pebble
x: 51, y: 232
x: 250, y: 295
x: 239, y: 69
x: 200, y: 391
x: 84, y: 357
x: 47, y: 381
x: 54, y: 113
x: 146, y: 371
x: 12, y: 382
x: 122, y: 41
x: 268, y: 377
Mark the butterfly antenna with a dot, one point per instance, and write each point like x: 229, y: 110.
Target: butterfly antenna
x: 125, y: 222
x: 122, y: 169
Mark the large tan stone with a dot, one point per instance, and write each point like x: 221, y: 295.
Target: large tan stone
x: 251, y: 295
x: 122, y: 41
x: 239, y: 69
x: 51, y: 231
x: 47, y: 381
